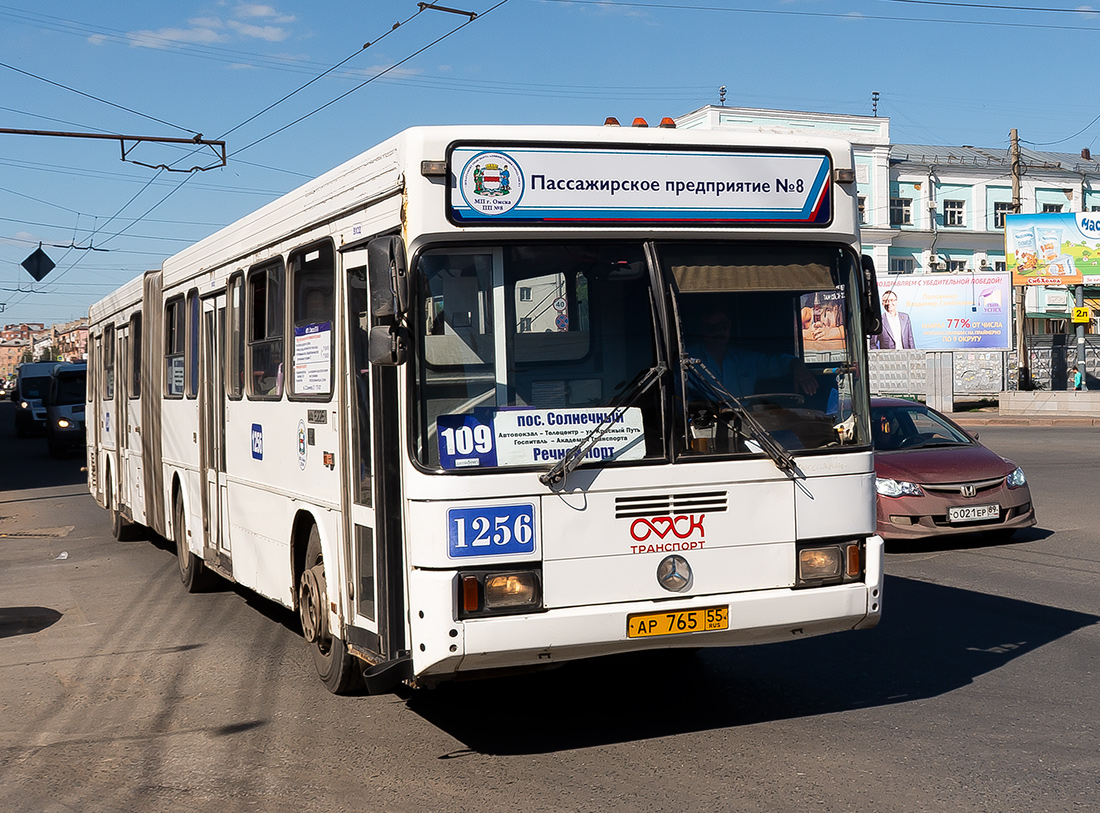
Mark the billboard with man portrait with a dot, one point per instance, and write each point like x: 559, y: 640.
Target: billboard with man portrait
x: 945, y: 312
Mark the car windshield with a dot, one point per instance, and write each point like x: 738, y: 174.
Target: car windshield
x: 913, y: 426
x: 525, y: 352
x: 70, y: 389
x: 34, y: 386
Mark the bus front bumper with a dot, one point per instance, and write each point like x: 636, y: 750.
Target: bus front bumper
x: 572, y: 633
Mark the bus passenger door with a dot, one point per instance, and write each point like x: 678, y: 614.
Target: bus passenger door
x: 130, y: 481
x: 216, y: 551
x: 122, y: 403
x: 362, y: 554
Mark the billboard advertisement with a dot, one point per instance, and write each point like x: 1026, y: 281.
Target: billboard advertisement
x: 1053, y: 249
x: 945, y: 312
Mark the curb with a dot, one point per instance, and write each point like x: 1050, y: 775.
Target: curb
x: 991, y: 419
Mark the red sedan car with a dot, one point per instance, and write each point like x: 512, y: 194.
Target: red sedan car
x: 934, y: 479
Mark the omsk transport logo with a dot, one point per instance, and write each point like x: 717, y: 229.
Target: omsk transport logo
x: 491, y: 183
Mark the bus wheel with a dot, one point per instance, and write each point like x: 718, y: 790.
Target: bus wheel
x: 193, y: 572
x: 338, y: 669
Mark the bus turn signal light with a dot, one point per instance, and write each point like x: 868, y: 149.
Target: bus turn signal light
x: 471, y: 595
x: 853, y: 561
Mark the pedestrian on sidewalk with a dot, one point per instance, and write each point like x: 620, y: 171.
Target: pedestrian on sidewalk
x: 1077, y: 384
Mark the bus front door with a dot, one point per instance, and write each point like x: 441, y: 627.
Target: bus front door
x: 216, y: 551
x: 365, y: 561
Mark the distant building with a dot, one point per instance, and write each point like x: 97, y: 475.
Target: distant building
x: 11, y: 355
x: 940, y: 209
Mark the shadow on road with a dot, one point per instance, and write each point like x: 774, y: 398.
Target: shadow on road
x: 50, y: 471
x: 932, y: 640
x: 936, y: 544
x: 26, y: 620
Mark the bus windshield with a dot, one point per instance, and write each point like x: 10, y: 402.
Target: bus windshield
x: 527, y: 351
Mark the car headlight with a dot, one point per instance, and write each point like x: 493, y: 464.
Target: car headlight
x: 24, y: 405
x: 1016, y: 479
x: 897, y: 488
x: 63, y: 423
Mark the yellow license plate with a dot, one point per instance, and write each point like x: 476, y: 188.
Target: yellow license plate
x: 679, y: 622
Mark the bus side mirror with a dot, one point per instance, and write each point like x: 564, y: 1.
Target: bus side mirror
x: 388, y: 276
x: 388, y: 345
x: 872, y: 306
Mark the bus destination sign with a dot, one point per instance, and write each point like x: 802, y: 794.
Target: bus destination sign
x: 576, y: 185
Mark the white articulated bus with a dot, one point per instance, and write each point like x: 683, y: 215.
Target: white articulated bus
x: 490, y: 398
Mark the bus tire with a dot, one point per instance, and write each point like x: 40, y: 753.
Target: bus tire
x: 339, y: 670
x: 120, y: 527
x: 193, y: 573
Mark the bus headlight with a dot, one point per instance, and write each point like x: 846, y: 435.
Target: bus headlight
x: 834, y: 563
x: 497, y: 592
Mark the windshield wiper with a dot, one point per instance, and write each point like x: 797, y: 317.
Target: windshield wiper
x: 626, y: 399
x: 711, y: 386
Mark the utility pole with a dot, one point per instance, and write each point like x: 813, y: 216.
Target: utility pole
x: 1023, y: 380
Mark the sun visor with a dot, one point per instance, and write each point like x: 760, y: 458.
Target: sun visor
x: 720, y: 278
x: 757, y: 272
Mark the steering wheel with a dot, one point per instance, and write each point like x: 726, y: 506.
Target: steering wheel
x: 912, y: 440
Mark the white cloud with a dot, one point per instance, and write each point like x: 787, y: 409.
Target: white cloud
x: 257, y: 10
x: 268, y: 33
x: 167, y: 37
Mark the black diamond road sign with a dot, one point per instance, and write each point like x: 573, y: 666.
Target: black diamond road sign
x: 38, y: 264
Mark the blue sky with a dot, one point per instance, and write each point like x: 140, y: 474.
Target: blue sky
x: 948, y: 73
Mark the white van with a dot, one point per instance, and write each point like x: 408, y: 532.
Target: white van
x: 31, y: 385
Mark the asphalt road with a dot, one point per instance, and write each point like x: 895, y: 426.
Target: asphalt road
x: 978, y: 691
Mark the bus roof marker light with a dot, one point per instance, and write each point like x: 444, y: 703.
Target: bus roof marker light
x: 640, y: 122
x: 433, y: 169
x: 667, y: 123
x: 611, y: 121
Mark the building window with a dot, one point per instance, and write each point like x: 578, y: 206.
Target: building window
x: 902, y: 265
x: 862, y: 202
x: 1051, y: 208
x: 524, y: 294
x: 954, y: 213
x: 1094, y: 208
x: 1000, y: 267
x: 901, y: 211
x: 1000, y: 209
x: 525, y: 323
x: 956, y: 266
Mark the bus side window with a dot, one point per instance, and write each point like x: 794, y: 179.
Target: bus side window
x: 265, y: 331
x: 174, y: 336
x: 312, y: 279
